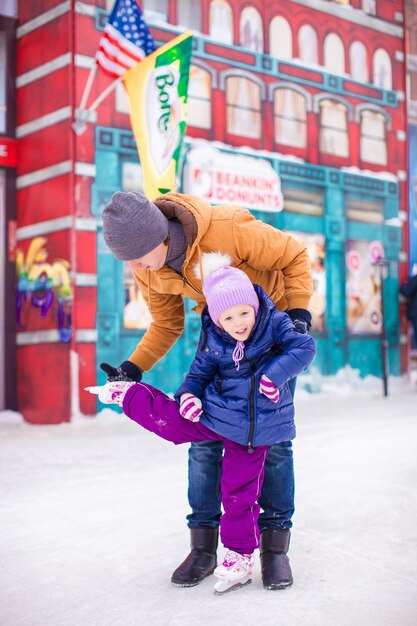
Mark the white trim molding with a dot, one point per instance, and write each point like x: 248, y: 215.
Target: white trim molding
x: 45, y: 173
x: 43, y: 19
x: 82, y: 224
x: 43, y: 70
x: 85, y: 169
x: 86, y: 335
x: 65, y: 113
x: 38, y: 337
x: 83, y: 61
x: 85, y: 280
x: 86, y: 224
x: 44, y: 228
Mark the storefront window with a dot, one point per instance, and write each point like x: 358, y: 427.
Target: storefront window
x: 280, y: 38
x: 334, y: 128
x: 189, y: 14
x: 199, y: 98
x: 251, y: 35
x: 305, y: 201
x: 3, y: 72
x: 243, y: 107
x: 363, y: 287
x: 132, y: 178
x: 121, y: 99
x: 364, y: 210
x: 290, y: 117
x: 373, y: 145
x: 155, y: 9
x: 315, y: 244
x: 136, y: 314
x: 307, y: 43
x: 221, y: 21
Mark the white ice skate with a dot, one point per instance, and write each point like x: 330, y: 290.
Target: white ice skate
x: 111, y: 393
x: 233, y: 573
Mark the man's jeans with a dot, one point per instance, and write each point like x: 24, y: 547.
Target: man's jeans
x: 204, y: 471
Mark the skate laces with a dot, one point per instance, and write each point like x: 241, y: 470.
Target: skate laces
x: 237, y: 562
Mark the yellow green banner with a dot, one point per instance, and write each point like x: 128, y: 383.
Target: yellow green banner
x: 157, y: 92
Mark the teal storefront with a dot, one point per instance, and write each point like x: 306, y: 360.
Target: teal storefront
x: 347, y: 222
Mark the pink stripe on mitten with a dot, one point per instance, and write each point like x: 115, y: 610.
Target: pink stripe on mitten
x: 267, y: 387
x: 190, y: 407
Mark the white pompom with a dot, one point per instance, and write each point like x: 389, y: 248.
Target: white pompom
x: 211, y: 262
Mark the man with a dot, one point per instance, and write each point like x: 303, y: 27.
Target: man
x: 409, y: 290
x: 163, y: 242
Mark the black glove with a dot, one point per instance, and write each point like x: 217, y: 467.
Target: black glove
x: 301, y: 319
x: 126, y: 371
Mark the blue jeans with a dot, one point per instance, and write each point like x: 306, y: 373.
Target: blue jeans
x: 204, y: 496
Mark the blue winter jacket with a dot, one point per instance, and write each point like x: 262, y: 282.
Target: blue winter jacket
x: 232, y: 404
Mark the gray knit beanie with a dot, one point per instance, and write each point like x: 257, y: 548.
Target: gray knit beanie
x: 133, y: 225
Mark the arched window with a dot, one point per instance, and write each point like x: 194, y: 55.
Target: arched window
x: 243, y: 99
x: 334, y: 128
x: 221, y: 21
x: 358, y: 62
x: 382, y: 69
x: 307, y: 44
x: 199, y: 98
x: 156, y: 8
x: 189, y: 14
x: 334, y: 54
x: 373, y: 144
x: 280, y: 38
x: 290, y: 118
x: 251, y: 33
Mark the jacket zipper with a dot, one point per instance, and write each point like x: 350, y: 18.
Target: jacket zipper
x: 251, y: 407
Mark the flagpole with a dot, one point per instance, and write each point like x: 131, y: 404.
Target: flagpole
x: 104, y: 94
x: 79, y: 126
x: 88, y: 84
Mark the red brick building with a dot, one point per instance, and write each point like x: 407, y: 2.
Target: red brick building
x: 317, y: 89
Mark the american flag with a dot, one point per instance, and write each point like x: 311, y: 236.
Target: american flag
x: 126, y: 39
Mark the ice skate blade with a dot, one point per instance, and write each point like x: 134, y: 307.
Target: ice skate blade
x: 221, y: 588
x: 95, y: 390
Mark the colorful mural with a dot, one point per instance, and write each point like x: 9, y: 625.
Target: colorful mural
x: 40, y: 284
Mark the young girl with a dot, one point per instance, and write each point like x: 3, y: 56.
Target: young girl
x: 236, y: 391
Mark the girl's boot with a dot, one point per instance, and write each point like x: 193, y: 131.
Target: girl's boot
x: 234, y: 572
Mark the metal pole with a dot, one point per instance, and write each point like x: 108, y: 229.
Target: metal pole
x: 384, y: 339
x: 383, y: 265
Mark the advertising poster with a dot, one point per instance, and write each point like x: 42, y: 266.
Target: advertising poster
x: 315, y: 245
x: 363, y: 287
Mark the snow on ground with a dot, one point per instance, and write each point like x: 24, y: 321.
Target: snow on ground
x: 92, y: 520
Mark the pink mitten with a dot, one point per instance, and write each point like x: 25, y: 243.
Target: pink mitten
x: 267, y: 387
x: 190, y: 407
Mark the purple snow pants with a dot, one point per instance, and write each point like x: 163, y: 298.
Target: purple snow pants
x: 242, y: 474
